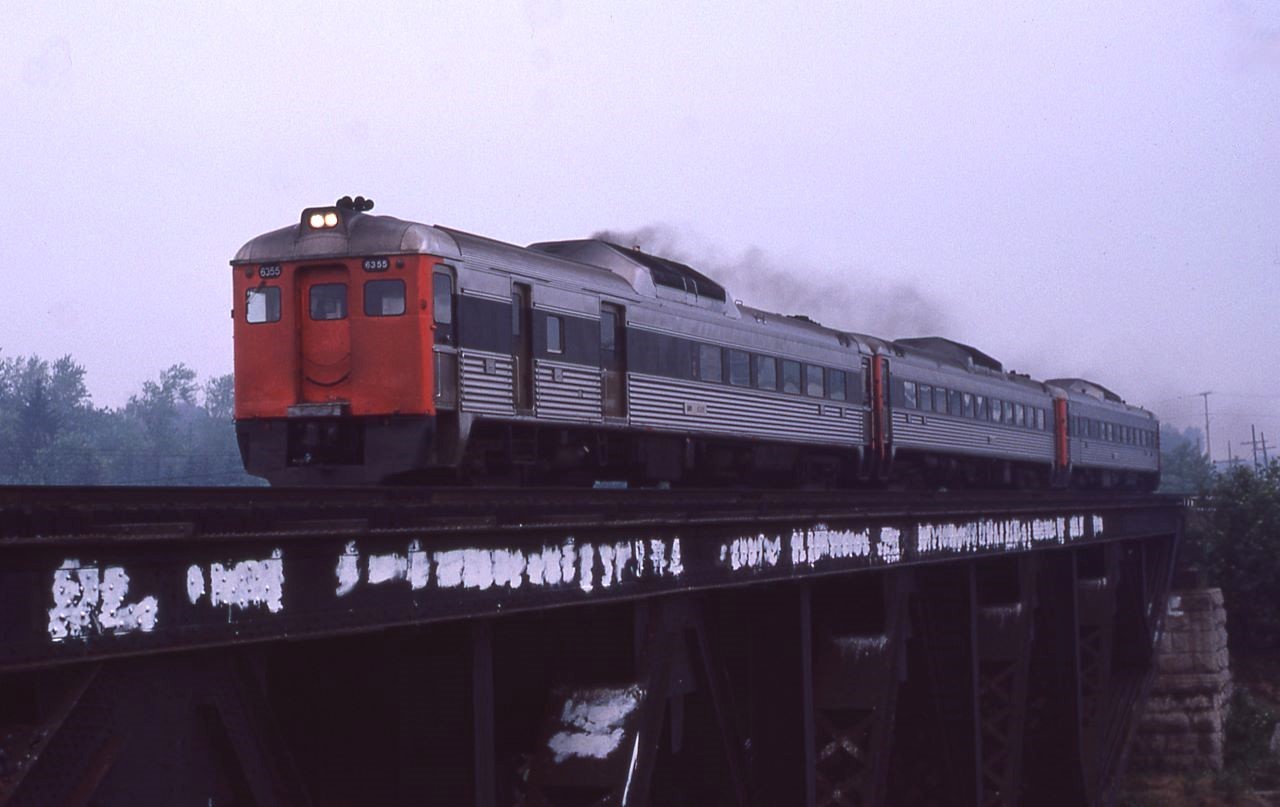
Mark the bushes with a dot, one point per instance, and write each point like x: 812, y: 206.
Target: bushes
x: 1239, y: 549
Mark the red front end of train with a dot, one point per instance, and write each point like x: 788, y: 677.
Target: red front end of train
x: 334, y: 370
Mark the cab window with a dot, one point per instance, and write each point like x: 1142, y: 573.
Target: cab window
x: 442, y: 298
x: 328, y: 301
x: 262, y: 305
x: 384, y: 298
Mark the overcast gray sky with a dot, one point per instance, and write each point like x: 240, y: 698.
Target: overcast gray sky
x: 1076, y: 189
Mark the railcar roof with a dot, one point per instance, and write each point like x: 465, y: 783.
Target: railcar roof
x: 1086, y: 387
x: 950, y: 351
x: 357, y: 234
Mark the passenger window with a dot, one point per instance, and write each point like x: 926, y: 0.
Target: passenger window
x: 926, y: 398
x: 710, y: 363
x: 953, y: 403
x: 1020, y: 412
x: 940, y: 400
x: 328, y: 301
x: 384, y: 298
x: 262, y: 305
x: 836, y: 385
x: 966, y: 404
x: 1008, y: 412
x: 442, y: 298
x: 980, y: 407
x: 909, y: 395
x: 555, y: 334
x: 739, y: 368
x: 608, y: 323
x: 766, y: 372
x: 791, y: 376
x: 1040, y: 419
x: 813, y: 386
x: 997, y: 411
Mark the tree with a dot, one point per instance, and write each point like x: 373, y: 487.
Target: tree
x: 176, y: 431
x: 41, y: 406
x: 1240, y: 550
x: 1183, y: 466
x: 220, y: 397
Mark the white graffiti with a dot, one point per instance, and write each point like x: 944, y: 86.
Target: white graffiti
x: 86, y: 601
x: 760, y: 552
x: 587, y: 564
x: 593, y: 723
x: 890, y: 545
x: 246, y: 583
x: 414, y: 567
x: 1006, y: 534
x: 348, y: 570
x: 821, y: 543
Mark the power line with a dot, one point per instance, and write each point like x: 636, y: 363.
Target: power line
x: 1208, y: 441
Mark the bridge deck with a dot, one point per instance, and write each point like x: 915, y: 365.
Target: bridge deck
x: 540, y: 647
x: 95, y: 572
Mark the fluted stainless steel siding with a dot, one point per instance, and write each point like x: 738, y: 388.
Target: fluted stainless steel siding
x: 1101, y: 454
x: 486, y: 383
x: 667, y: 403
x: 575, y: 396
x: 961, y: 435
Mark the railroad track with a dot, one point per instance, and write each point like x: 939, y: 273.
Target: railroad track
x: 45, y: 514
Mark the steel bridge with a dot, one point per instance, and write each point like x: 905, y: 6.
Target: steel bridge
x: 558, y: 647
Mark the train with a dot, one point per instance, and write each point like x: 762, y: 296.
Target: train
x: 375, y: 350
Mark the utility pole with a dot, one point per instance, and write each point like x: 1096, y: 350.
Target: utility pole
x: 1266, y: 461
x: 1208, y: 443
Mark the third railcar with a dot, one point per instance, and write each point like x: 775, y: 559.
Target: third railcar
x: 370, y: 349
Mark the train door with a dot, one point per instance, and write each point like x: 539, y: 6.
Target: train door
x: 522, y: 346
x: 613, y: 359
x: 444, y: 326
x: 325, y: 331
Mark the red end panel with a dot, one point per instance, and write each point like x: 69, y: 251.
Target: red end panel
x: 377, y: 362
x: 880, y: 409
x: 391, y: 354
x: 1062, y: 447
x: 266, y: 352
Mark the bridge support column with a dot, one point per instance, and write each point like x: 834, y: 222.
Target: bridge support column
x: 858, y: 661
x: 1004, y: 617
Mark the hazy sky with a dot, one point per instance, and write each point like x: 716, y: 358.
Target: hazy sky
x: 1076, y: 189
